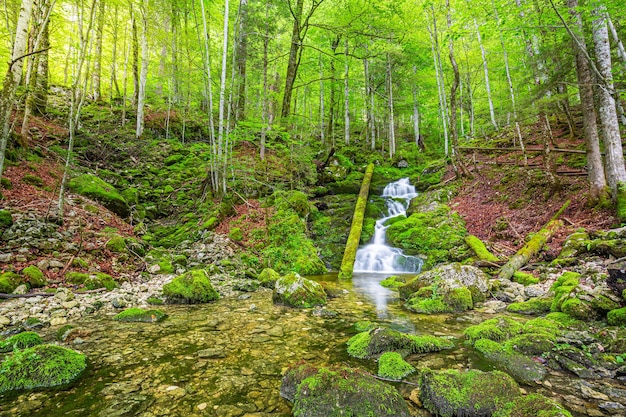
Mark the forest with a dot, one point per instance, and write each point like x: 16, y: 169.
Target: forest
x: 313, y: 208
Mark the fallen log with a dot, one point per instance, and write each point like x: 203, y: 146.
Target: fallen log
x: 533, y: 246
x: 352, y: 245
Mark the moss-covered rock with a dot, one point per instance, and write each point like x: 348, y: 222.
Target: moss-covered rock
x: 76, y: 278
x: 9, y: 281
x: 524, y: 278
x: 534, y: 344
x: 437, y: 235
x: 532, y: 405
x: 391, y: 365
x: 393, y: 282
x: 41, y: 366
x: 295, y: 291
x: 617, y: 317
x: 445, y: 277
x: 533, y: 306
x: 431, y: 300
x: 268, y: 277
x: 372, y: 343
x: 520, y: 367
x: 466, y: 393
x: 496, y: 329
x: 116, y: 244
x: 575, y: 244
x: 479, y: 248
x: 577, y: 308
x: 20, y: 341
x: 135, y: 314
x: 93, y: 187
x: 563, y: 288
x: 192, y: 287
x: 293, y: 377
x: 34, y: 276
x: 6, y: 219
x: 98, y: 280
x: 346, y: 392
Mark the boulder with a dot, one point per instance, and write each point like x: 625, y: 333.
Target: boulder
x: 373, y: 343
x: 331, y: 392
x: 93, y: 187
x: 294, y: 291
x: 448, y: 276
x: 268, y: 277
x: 469, y: 393
x: 41, y: 366
x: 531, y: 405
x: 140, y: 315
x: 192, y: 287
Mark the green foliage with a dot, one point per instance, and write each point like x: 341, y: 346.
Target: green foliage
x: 93, y: 187
x: 562, y: 288
x: 20, y: 341
x: 6, y: 183
x: 41, y: 366
x: 192, y: 287
x: 577, y: 308
x: 34, y: 276
x: 235, y: 234
x: 155, y: 301
x: 392, y: 366
x: 140, y: 315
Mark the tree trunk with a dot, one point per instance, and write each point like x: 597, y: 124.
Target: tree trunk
x: 615, y: 170
x: 322, y: 114
x: 265, y: 112
x: 242, y: 58
x: 135, y: 56
x: 97, y: 65
x: 346, y: 95
x: 14, y: 75
x: 443, y: 103
x: 352, y: 245
x: 294, y: 58
x: 221, y: 147
x: 114, y: 89
x: 392, y: 128
x: 333, y: 103
x: 145, y: 57
x: 597, y: 179
x: 483, y: 54
x: 453, y: 91
x: 416, y: 114
x: 40, y: 94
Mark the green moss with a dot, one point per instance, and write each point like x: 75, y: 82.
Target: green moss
x: 131, y: 195
x: 465, y: 393
x: 6, y: 219
x: 236, y: 234
x: 294, y: 291
x: 520, y: 367
x: 34, y: 276
x: 93, y: 187
x: 577, y: 308
x: 9, y: 282
x: 480, y: 249
x: 372, y: 343
x: 364, y: 326
x: 392, y: 366
x: 525, y: 278
x: 603, y: 304
x: 496, y: 329
x: 116, y: 244
x: 427, y: 300
x: 140, y: 315
x: 459, y: 299
x: 532, y: 405
x: 33, y: 180
x: 620, y: 199
x: 77, y: 278
x: 531, y: 307
x: 268, y: 277
x: 191, y: 288
x: 41, y: 366
x: 100, y: 280
x: 165, y: 266
x: 426, y: 305
x: 562, y: 319
x: 617, y: 317
x: 6, y: 183
x: 155, y: 301
x: 567, y: 279
x: 532, y: 343
x: 210, y: 224
x: 62, y: 334
x: 20, y: 341
x: 393, y: 282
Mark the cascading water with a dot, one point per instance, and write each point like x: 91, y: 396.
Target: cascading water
x: 377, y: 256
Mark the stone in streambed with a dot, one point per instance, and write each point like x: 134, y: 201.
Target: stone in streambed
x: 294, y: 291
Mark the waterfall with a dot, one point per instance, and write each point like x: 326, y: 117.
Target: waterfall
x: 377, y: 256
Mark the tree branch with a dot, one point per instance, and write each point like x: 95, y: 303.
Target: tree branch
x: 11, y: 63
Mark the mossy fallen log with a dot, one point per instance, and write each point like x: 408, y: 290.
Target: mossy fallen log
x: 479, y: 248
x: 349, y: 255
x: 533, y: 246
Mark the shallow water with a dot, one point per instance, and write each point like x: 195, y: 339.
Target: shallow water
x: 226, y: 358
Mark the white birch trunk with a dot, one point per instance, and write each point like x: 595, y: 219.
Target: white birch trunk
x: 483, y: 54
x: 221, y: 146
x: 14, y: 75
x: 392, y: 130
x: 143, y: 73
x: 209, y: 91
x: 346, y: 95
x: 416, y: 114
x: 443, y: 105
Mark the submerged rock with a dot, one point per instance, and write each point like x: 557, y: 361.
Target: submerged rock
x: 334, y: 392
x: 41, y: 366
x: 294, y: 291
x: 465, y: 393
x: 140, y: 315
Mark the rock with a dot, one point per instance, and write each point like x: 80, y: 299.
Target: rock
x: 340, y: 391
x: 4, y: 321
x: 140, y: 315
x: 63, y: 294
x: 5, y: 257
x: 268, y: 277
x: 521, y: 368
x: 57, y: 321
x: 190, y: 288
x: 211, y: 353
x: 21, y: 289
x: 449, y: 276
x: 469, y: 393
x: 372, y: 343
x: 41, y: 366
x: 93, y: 187
x: 56, y: 264
x: 535, y: 290
x: 154, y: 269
x: 294, y: 291
x: 34, y: 276
x: 532, y: 405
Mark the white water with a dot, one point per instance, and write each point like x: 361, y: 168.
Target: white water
x: 377, y: 256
